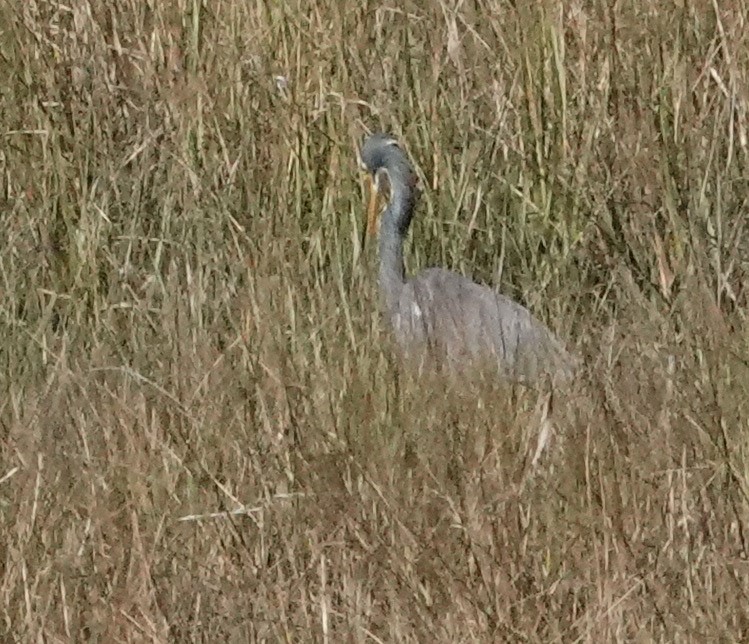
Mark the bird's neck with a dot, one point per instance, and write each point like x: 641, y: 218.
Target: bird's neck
x: 392, y: 271
x: 395, y: 222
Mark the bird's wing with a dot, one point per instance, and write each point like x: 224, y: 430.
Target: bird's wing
x: 466, y: 322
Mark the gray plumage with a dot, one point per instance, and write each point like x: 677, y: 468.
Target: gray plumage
x: 444, y: 315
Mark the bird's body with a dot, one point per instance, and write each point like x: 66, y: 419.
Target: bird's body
x: 445, y: 316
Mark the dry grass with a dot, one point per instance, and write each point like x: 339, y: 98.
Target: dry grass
x: 188, y: 323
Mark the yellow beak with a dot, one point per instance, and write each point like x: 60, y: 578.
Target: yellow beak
x: 373, y: 211
x: 373, y: 208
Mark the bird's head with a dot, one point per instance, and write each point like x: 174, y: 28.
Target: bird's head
x: 387, y: 166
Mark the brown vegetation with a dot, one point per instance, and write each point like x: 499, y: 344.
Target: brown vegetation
x: 189, y: 328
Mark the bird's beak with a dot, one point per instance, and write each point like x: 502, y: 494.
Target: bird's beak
x: 373, y: 209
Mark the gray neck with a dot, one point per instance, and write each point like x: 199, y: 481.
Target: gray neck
x: 393, y: 229
x: 392, y: 271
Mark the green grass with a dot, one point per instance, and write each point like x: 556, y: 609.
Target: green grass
x: 189, y: 326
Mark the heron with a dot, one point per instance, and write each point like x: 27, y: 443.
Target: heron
x: 444, y: 315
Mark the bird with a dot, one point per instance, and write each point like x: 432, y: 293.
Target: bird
x: 442, y: 315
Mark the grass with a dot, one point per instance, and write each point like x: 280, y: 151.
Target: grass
x: 189, y: 327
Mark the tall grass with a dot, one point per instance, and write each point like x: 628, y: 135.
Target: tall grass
x: 203, y: 432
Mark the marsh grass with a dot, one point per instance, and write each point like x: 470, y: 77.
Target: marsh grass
x: 189, y: 323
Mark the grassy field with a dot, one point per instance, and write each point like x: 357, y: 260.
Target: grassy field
x: 204, y: 434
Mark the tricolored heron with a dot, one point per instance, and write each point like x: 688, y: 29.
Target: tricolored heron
x: 443, y: 314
